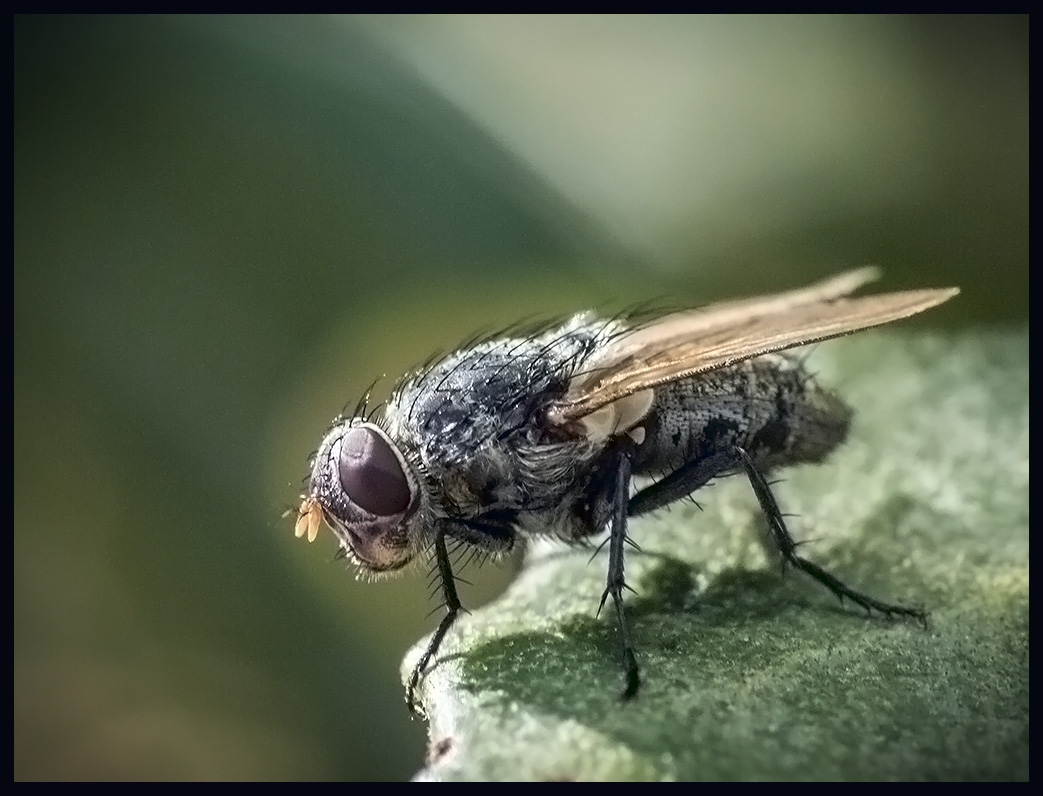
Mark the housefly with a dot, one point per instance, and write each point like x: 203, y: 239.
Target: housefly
x: 543, y: 433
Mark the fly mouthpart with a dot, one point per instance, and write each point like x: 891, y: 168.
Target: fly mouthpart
x: 309, y: 518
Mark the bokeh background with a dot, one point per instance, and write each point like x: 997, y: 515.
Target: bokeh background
x: 225, y: 228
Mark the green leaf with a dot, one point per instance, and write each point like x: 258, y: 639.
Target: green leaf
x: 751, y: 675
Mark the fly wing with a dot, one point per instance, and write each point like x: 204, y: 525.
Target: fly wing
x: 686, y: 344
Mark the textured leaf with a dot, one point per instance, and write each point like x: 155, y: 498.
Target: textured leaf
x: 751, y: 675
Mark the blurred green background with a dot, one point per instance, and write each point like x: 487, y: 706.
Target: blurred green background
x: 225, y: 228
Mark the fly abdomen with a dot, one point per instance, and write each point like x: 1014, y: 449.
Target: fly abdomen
x: 769, y: 406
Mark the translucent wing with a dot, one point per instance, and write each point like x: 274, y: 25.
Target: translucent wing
x: 688, y: 343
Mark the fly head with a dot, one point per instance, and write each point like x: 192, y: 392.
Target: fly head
x: 367, y: 491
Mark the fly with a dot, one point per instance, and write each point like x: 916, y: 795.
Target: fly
x: 543, y: 433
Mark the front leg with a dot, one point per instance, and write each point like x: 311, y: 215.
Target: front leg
x: 496, y: 537
x: 452, y: 609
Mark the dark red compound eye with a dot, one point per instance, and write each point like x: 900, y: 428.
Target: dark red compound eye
x: 371, y: 474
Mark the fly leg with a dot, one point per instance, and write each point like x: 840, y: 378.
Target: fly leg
x: 682, y: 482
x: 452, y: 609
x: 788, y: 549
x: 697, y: 473
x: 490, y: 536
x: 616, y: 581
x: 679, y: 484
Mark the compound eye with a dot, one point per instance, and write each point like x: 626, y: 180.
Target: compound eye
x: 371, y: 475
